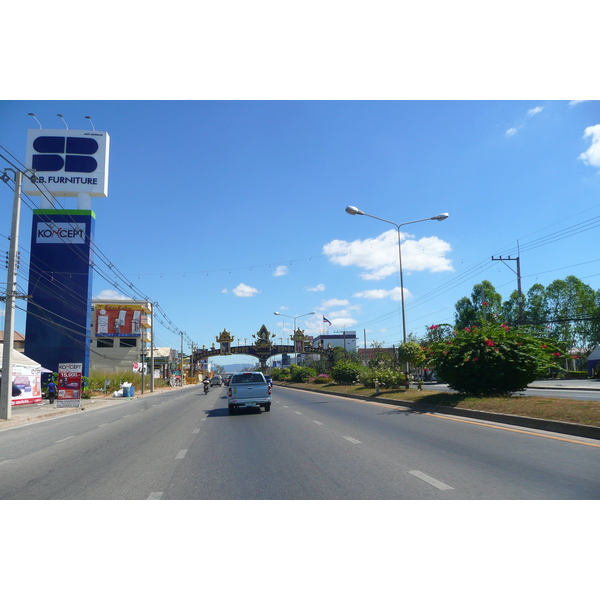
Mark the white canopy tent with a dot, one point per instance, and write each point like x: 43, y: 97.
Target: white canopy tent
x: 27, y: 376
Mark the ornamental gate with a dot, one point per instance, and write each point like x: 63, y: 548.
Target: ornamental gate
x: 263, y: 348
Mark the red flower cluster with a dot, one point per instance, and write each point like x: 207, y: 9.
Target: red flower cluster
x: 556, y: 354
x: 489, y: 342
x: 434, y: 327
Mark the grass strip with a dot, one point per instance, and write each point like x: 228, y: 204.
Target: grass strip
x: 581, y: 412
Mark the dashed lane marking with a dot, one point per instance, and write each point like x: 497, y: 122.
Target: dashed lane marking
x: 155, y: 496
x: 318, y: 422
x: 181, y: 454
x: 351, y: 439
x: 64, y: 439
x: 196, y: 431
x: 431, y: 481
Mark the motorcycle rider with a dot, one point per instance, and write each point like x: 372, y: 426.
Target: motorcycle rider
x: 206, y: 383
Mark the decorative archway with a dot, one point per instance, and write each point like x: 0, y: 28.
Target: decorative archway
x: 263, y: 348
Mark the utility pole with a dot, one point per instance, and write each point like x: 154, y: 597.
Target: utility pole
x: 11, y: 295
x: 518, y: 273
x: 182, y: 359
x: 151, y: 347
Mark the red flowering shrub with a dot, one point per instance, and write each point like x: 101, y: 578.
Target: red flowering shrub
x: 492, y: 360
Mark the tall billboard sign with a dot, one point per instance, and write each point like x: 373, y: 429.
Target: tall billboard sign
x: 67, y: 163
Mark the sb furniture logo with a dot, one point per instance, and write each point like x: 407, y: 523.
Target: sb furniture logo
x: 68, y: 162
x: 72, y: 154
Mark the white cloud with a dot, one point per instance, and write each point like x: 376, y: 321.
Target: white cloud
x: 320, y: 287
x: 394, y: 294
x: 592, y: 155
x: 333, y: 302
x: 379, y: 256
x: 510, y: 132
x: 575, y: 102
x: 279, y: 271
x: 245, y: 291
x: 111, y: 295
x: 224, y: 291
x: 535, y: 111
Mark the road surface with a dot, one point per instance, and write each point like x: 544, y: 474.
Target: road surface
x: 183, y: 444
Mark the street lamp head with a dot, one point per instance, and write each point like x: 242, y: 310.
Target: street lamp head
x: 440, y: 217
x: 276, y: 313
x: 352, y: 210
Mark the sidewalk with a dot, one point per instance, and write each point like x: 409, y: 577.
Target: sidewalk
x: 28, y: 413
x: 565, y: 384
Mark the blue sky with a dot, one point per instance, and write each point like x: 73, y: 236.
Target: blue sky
x: 224, y: 212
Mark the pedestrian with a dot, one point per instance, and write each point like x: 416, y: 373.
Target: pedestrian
x: 51, y: 391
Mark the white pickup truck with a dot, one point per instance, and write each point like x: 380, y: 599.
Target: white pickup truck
x: 248, y: 389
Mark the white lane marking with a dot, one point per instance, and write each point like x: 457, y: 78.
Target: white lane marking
x: 203, y: 419
x: 350, y: 439
x: 431, y: 481
x: 101, y: 425
x: 297, y: 412
x: 196, y: 431
x: 181, y: 454
x: 154, y: 496
x: 64, y: 439
x: 318, y: 422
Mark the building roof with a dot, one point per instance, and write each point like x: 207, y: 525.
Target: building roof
x: 19, y: 337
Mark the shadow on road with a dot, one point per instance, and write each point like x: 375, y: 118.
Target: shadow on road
x: 224, y: 412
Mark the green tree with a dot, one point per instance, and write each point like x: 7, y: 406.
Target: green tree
x: 412, y: 354
x: 342, y: 355
x: 484, y: 303
x: 382, y: 357
x: 570, y: 304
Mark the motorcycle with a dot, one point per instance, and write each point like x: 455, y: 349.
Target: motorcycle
x: 206, y: 386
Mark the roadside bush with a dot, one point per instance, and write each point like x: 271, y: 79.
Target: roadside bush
x: 280, y: 374
x: 346, y: 372
x: 492, y: 360
x: 301, y: 374
x: 576, y: 375
x: 389, y: 378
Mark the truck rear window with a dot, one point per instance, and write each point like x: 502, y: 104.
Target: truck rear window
x: 247, y: 378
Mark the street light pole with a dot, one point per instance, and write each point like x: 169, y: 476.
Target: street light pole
x: 352, y: 210
x: 296, y: 317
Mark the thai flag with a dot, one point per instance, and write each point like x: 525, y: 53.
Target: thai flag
x: 326, y: 320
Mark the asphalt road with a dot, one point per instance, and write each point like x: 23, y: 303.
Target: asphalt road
x: 183, y: 444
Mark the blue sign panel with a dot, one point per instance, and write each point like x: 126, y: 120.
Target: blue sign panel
x: 58, y: 323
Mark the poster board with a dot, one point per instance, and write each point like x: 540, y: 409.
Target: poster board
x: 69, y: 385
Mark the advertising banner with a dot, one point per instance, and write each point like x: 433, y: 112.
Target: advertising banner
x: 67, y: 162
x: 29, y: 382
x: 69, y: 384
x: 115, y: 320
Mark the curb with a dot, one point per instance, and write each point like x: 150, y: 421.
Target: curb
x: 587, y: 431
